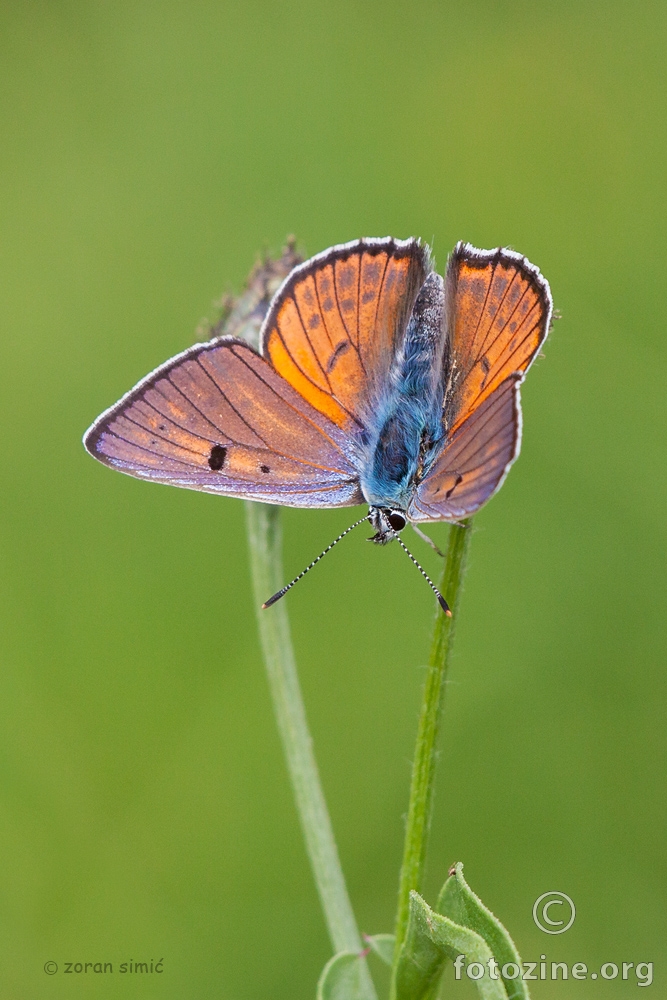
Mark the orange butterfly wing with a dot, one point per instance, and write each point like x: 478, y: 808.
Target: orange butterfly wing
x: 335, y: 325
x: 498, y: 314
x: 498, y: 311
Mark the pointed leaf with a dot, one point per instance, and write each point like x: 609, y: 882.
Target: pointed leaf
x: 342, y: 978
x: 430, y: 940
x: 383, y: 945
x: 458, y: 902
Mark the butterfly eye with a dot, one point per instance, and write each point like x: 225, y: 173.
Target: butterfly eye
x: 396, y: 520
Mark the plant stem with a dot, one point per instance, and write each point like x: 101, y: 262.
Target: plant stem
x: 264, y: 536
x: 423, y: 767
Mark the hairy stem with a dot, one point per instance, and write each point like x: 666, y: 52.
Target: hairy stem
x: 423, y: 767
x: 264, y: 538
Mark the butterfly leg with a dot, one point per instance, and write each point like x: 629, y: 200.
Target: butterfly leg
x: 425, y: 538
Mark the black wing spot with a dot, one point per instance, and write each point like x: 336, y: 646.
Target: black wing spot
x: 340, y: 350
x: 459, y: 479
x: 216, y: 459
x: 162, y: 427
x: 265, y: 468
x: 486, y: 364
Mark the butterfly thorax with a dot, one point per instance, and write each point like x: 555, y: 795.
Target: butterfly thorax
x: 407, y: 428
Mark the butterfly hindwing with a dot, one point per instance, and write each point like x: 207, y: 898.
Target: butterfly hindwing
x: 217, y: 418
x: 335, y: 326
x: 474, y: 461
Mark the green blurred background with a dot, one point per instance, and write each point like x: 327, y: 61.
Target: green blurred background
x: 149, y: 151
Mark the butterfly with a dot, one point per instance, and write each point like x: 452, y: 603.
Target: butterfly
x: 376, y: 381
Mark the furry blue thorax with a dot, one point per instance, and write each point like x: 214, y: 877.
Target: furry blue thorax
x: 408, y: 430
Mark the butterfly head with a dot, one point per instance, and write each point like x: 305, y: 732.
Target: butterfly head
x: 387, y: 523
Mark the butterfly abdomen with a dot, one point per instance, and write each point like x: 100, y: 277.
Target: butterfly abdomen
x: 396, y: 456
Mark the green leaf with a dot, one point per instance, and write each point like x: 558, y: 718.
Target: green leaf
x: 343, y: 978
x: 458, y: 902
x: 431, y: 939
x: 383, y: 945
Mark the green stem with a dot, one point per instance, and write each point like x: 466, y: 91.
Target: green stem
x: 264, y: 537
x: 423, y: 767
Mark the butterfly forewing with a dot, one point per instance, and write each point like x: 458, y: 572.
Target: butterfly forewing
x: 217, y: 418
x: 498, y: 314
x: 335, y: 326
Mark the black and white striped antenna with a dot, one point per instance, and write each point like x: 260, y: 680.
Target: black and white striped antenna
x: 441, y: 601
x: 281, y: 593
